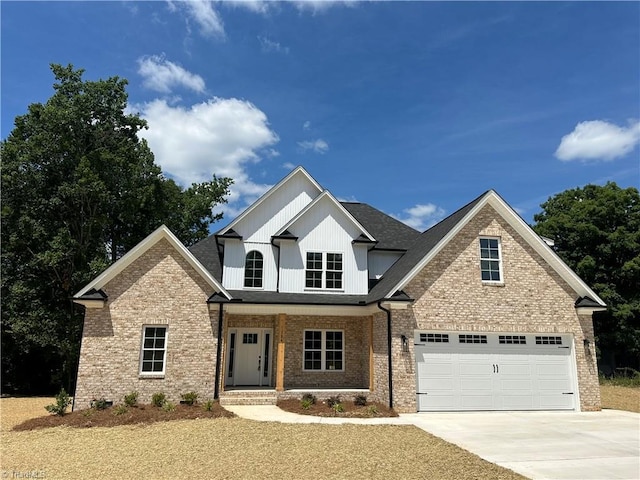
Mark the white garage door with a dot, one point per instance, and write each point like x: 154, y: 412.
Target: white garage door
x: 470, y: 371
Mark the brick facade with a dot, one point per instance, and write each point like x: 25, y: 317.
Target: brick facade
x: 449, y: 295
x: 161, y: 288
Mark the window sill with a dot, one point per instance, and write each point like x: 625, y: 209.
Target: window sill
x: 324, y: 290
x: 323, y: 371
x: 152, y: 376
x: 492, y: 284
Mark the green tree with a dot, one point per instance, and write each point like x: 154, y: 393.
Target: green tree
x: 596, y: 230
x: 79, y: 189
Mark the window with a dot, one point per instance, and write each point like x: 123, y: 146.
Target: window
x: 253, y: 270
x: 154, y: 347
x: 434, y: 337
x: 472, y: 339
x: 545, y: 340
x: 323, y: 350
x: 323, y: 270
x: 512, y: 339
x: 490, y: 260
x: 314, y: 270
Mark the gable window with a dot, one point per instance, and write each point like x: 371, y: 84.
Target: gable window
x: 490, y: 260
x: 154, y: 349
x: 324, y: 270
x: 323, y: 350
x: 253, y: 268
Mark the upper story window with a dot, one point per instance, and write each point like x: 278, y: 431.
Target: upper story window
x: 490, y: 260
x: 253, y: 268
x: 324, y: 270
x: 154, y: 348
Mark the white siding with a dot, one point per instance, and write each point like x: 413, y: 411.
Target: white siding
x: 380, y: 262
x: 278, y: 209
x: 235, y: 253
x: 324, y: 228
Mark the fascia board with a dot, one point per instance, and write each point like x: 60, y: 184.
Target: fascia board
x: 271, y: 191
x: 318, y: 199
x: 140, y: 249
x: 540, y: 246
x: 435, y: 250
x: 532, y: 238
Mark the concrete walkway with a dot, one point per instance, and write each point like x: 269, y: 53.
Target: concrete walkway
x: 539, y: 445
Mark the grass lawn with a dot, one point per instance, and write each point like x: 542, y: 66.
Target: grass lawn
x: 620, y: 398
x: 231, y: 448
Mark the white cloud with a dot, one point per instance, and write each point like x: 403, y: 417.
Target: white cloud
x: 319, y: 6
x: 306, y: 125
x: 288, y: 166
x: 220, y: 136
x: 317, y: 146
x: 598, y: 140
x: 267, y: 45
x: 203, y: 13
x: 421, y: 216
x: 161, y: 75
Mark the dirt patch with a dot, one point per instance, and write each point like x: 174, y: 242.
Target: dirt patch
x: 620, y: 398
x: 349, y: 409
x: 120, y: 415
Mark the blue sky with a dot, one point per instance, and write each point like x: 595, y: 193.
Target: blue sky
x: 413, y: 107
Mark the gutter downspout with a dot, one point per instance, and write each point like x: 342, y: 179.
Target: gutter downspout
x: 216, y: 388
x: 389, y: 352
x: 277, y: 266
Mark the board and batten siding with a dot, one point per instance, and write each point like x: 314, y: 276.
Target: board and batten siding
x: 380, y: 262
x: 235, y: 253
x: 272, y: 214
x: 324, y: 228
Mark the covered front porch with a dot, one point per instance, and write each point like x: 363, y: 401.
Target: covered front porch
x: 266, y: 357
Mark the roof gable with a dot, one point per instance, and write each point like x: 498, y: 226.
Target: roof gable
x: 300, y: 183
x: 326, y: 196
x: 436, y: 238
x: 159, y: 234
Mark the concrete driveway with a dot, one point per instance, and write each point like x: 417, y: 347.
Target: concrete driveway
x: 545, y: 445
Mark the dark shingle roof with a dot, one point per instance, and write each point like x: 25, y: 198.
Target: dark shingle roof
x: 206, y: 251
x: 420, y: 248
x: 390, y: 233
x: 265, y: 297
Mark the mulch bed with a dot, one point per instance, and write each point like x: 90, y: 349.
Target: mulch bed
x: 351, y: 410
x: 112, y: 417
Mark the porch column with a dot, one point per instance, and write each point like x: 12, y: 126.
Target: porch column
x: 281, y: 327
x: 371, y: 364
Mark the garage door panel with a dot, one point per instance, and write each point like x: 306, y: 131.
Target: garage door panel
x: 494, y: 374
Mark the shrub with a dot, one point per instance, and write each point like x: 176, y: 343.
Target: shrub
x: 337, y: 407
x: 131, y: 400
x: 190, y: 398
x: 360, y: 400
x: 208, y: 405
x: 100, y: 404
x: 168, y: 406
x: 119, y: 410
x: 309, y: 397
x: 372, y: 410
x: 331, y: 401
x: 623, y: 377
x: 63, y: 400
x: 158, y: 399
x: 306, y: 403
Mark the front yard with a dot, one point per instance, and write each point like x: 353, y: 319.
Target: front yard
x: 231, y: 448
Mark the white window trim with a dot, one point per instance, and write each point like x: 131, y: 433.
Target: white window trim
x: 244, y: 273
x: 142, y: 350
x: 323, y: 350
x: 500, y: 266
x: 323, y: 280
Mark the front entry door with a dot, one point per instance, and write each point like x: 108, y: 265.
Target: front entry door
x: 249, y: 352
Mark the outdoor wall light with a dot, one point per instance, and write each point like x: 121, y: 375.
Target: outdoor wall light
x: 405, y: 343
x: 586, y: 343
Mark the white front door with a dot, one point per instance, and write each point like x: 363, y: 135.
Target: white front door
x: 249, y: 357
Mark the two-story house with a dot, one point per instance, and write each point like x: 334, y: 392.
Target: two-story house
x: 302, y: 292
